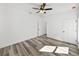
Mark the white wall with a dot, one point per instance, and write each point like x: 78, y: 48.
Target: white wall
x: 16, y: 24
x: 61, y: 23
x: 78, y: 23
x: 78, y: 31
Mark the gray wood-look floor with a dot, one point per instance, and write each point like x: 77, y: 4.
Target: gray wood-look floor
x: 31, y: 48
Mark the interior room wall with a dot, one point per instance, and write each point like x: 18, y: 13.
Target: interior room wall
x: 16, y: 23
x: 78, y: 22
x: 78, y: 31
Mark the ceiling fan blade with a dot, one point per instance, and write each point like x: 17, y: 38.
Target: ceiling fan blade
x: 36, y: 8
x: 37, y: 11
x: 48, y: 9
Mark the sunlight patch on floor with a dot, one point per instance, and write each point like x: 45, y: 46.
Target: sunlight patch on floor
x: 60, y: 50
x: 47, y: 49
x: 63, y: 50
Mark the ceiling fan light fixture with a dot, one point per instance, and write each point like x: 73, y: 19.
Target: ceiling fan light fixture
x: 42, y: 11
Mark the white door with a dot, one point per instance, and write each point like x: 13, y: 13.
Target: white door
x: 69, y: 30
x: 41, y: 27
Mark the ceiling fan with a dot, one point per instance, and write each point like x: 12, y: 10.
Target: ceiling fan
x: 42, y: 8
